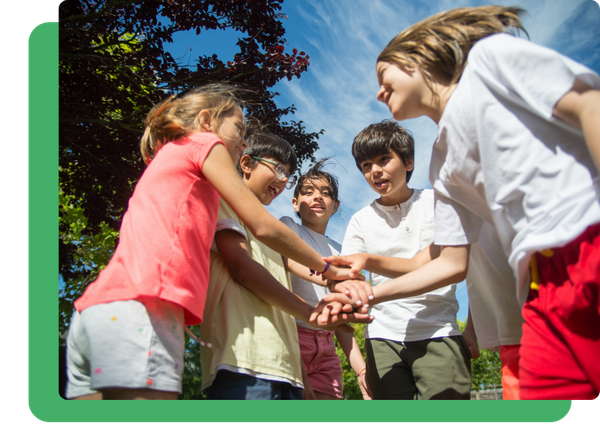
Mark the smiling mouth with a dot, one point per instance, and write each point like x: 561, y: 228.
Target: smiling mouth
x: 381, y: 183
x: 317, y: 208
x: 275, y: 191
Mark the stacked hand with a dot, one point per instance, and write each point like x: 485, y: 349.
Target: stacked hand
x: 352, y: 264
x: 332, y: 316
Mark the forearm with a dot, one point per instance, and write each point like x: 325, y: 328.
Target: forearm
x: 303, y: 272
x: 261, y: 283
x: 449, y: 268
x: 350, y: 347
x: 396, y: 266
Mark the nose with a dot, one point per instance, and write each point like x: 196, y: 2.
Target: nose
x: 244, y: 143
x: 376, y: 168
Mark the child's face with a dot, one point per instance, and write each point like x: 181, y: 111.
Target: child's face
x: 386, y: 175
x: 232, y: 131
x: 315, y: 202
x: 262, y: 181
x: 406, y: 94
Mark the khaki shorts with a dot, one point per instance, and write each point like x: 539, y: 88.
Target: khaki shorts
x: 438, y: 368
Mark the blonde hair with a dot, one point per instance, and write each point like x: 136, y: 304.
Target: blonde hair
x: 177, y: 117
x: 442, y: 42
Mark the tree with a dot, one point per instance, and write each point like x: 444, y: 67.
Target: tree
x: 112, y: 69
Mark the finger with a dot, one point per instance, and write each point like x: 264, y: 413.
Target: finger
x: 349, y: 308
x: 335, y: 308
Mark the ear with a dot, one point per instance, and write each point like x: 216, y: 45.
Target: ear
x: 246, y: 164
x: 205, y: 120
x: 410, y: 165
x: 335, y: 208
x: 295, y: 205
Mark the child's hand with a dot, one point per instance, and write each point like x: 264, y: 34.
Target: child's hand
x: 360, y: 292
x: 346, y: 301
x: 336, y: 273
x: 356, y: 262
x: 330, y: 316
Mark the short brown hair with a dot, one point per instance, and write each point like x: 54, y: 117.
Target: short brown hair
x: 381, y: 138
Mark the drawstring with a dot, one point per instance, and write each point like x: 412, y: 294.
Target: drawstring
x: 535, y: 277
x: 193, y: 336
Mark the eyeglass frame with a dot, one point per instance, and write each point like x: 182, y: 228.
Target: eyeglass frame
x: 280, y: 172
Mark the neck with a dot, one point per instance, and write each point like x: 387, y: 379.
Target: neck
x: 317, y: 228
x: 442, y: 90
x: 401, y: 197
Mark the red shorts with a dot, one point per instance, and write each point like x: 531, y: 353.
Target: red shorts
x: 509, y: 357
x: 560, y: 348
x: 321, y: 361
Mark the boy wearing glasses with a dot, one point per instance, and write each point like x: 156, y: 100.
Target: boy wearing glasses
x: 255, y: 351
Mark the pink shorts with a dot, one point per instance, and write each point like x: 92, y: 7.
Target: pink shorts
x: 561, y: 330
x: 321, y: 361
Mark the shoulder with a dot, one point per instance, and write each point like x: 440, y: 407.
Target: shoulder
x: 290, y: 223
x: 203, y: 139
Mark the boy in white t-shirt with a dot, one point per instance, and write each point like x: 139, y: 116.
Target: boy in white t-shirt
x: 414, y: 347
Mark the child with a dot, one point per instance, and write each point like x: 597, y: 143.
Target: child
x: 255, y: 352
x: 414, y: 346
x: 126, y: 339
x: 315, y: 201
x: 518, y: 147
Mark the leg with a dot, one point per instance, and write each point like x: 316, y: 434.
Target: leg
x: 325, y: 396
x: 388, y: 374
x: 441, y: 367
x: 561, y: 330
x: 238, y: 386
x: 134, y: 350
x: 509, y: 357
x: 137, y: 394
x: 321, y: 362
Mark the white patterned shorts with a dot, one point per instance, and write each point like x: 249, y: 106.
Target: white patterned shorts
x: 137, y: 343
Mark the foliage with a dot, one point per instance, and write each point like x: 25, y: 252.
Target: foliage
x: 485, y: 370
x: 91, y: 252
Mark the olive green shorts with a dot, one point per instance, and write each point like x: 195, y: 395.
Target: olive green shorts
x: 438, y: 368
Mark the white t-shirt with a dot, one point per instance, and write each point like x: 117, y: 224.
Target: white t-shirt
x: 402, y: 231
x: 501, y: 157
x: 492, y: 292
x: 311, y: 293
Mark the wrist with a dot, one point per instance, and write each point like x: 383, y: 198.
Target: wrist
x: 327, y: 265
x: 362, y: 372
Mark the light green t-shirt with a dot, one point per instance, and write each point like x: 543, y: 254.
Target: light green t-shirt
x: 247, y: 335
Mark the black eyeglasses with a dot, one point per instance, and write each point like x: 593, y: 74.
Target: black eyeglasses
x: 280, y: 172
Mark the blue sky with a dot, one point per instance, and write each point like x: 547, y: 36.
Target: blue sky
x: 337, y: 93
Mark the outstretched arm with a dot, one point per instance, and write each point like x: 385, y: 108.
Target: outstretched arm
x: 391, y: 267
x: 249, y: 273
x: 449, y: 268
